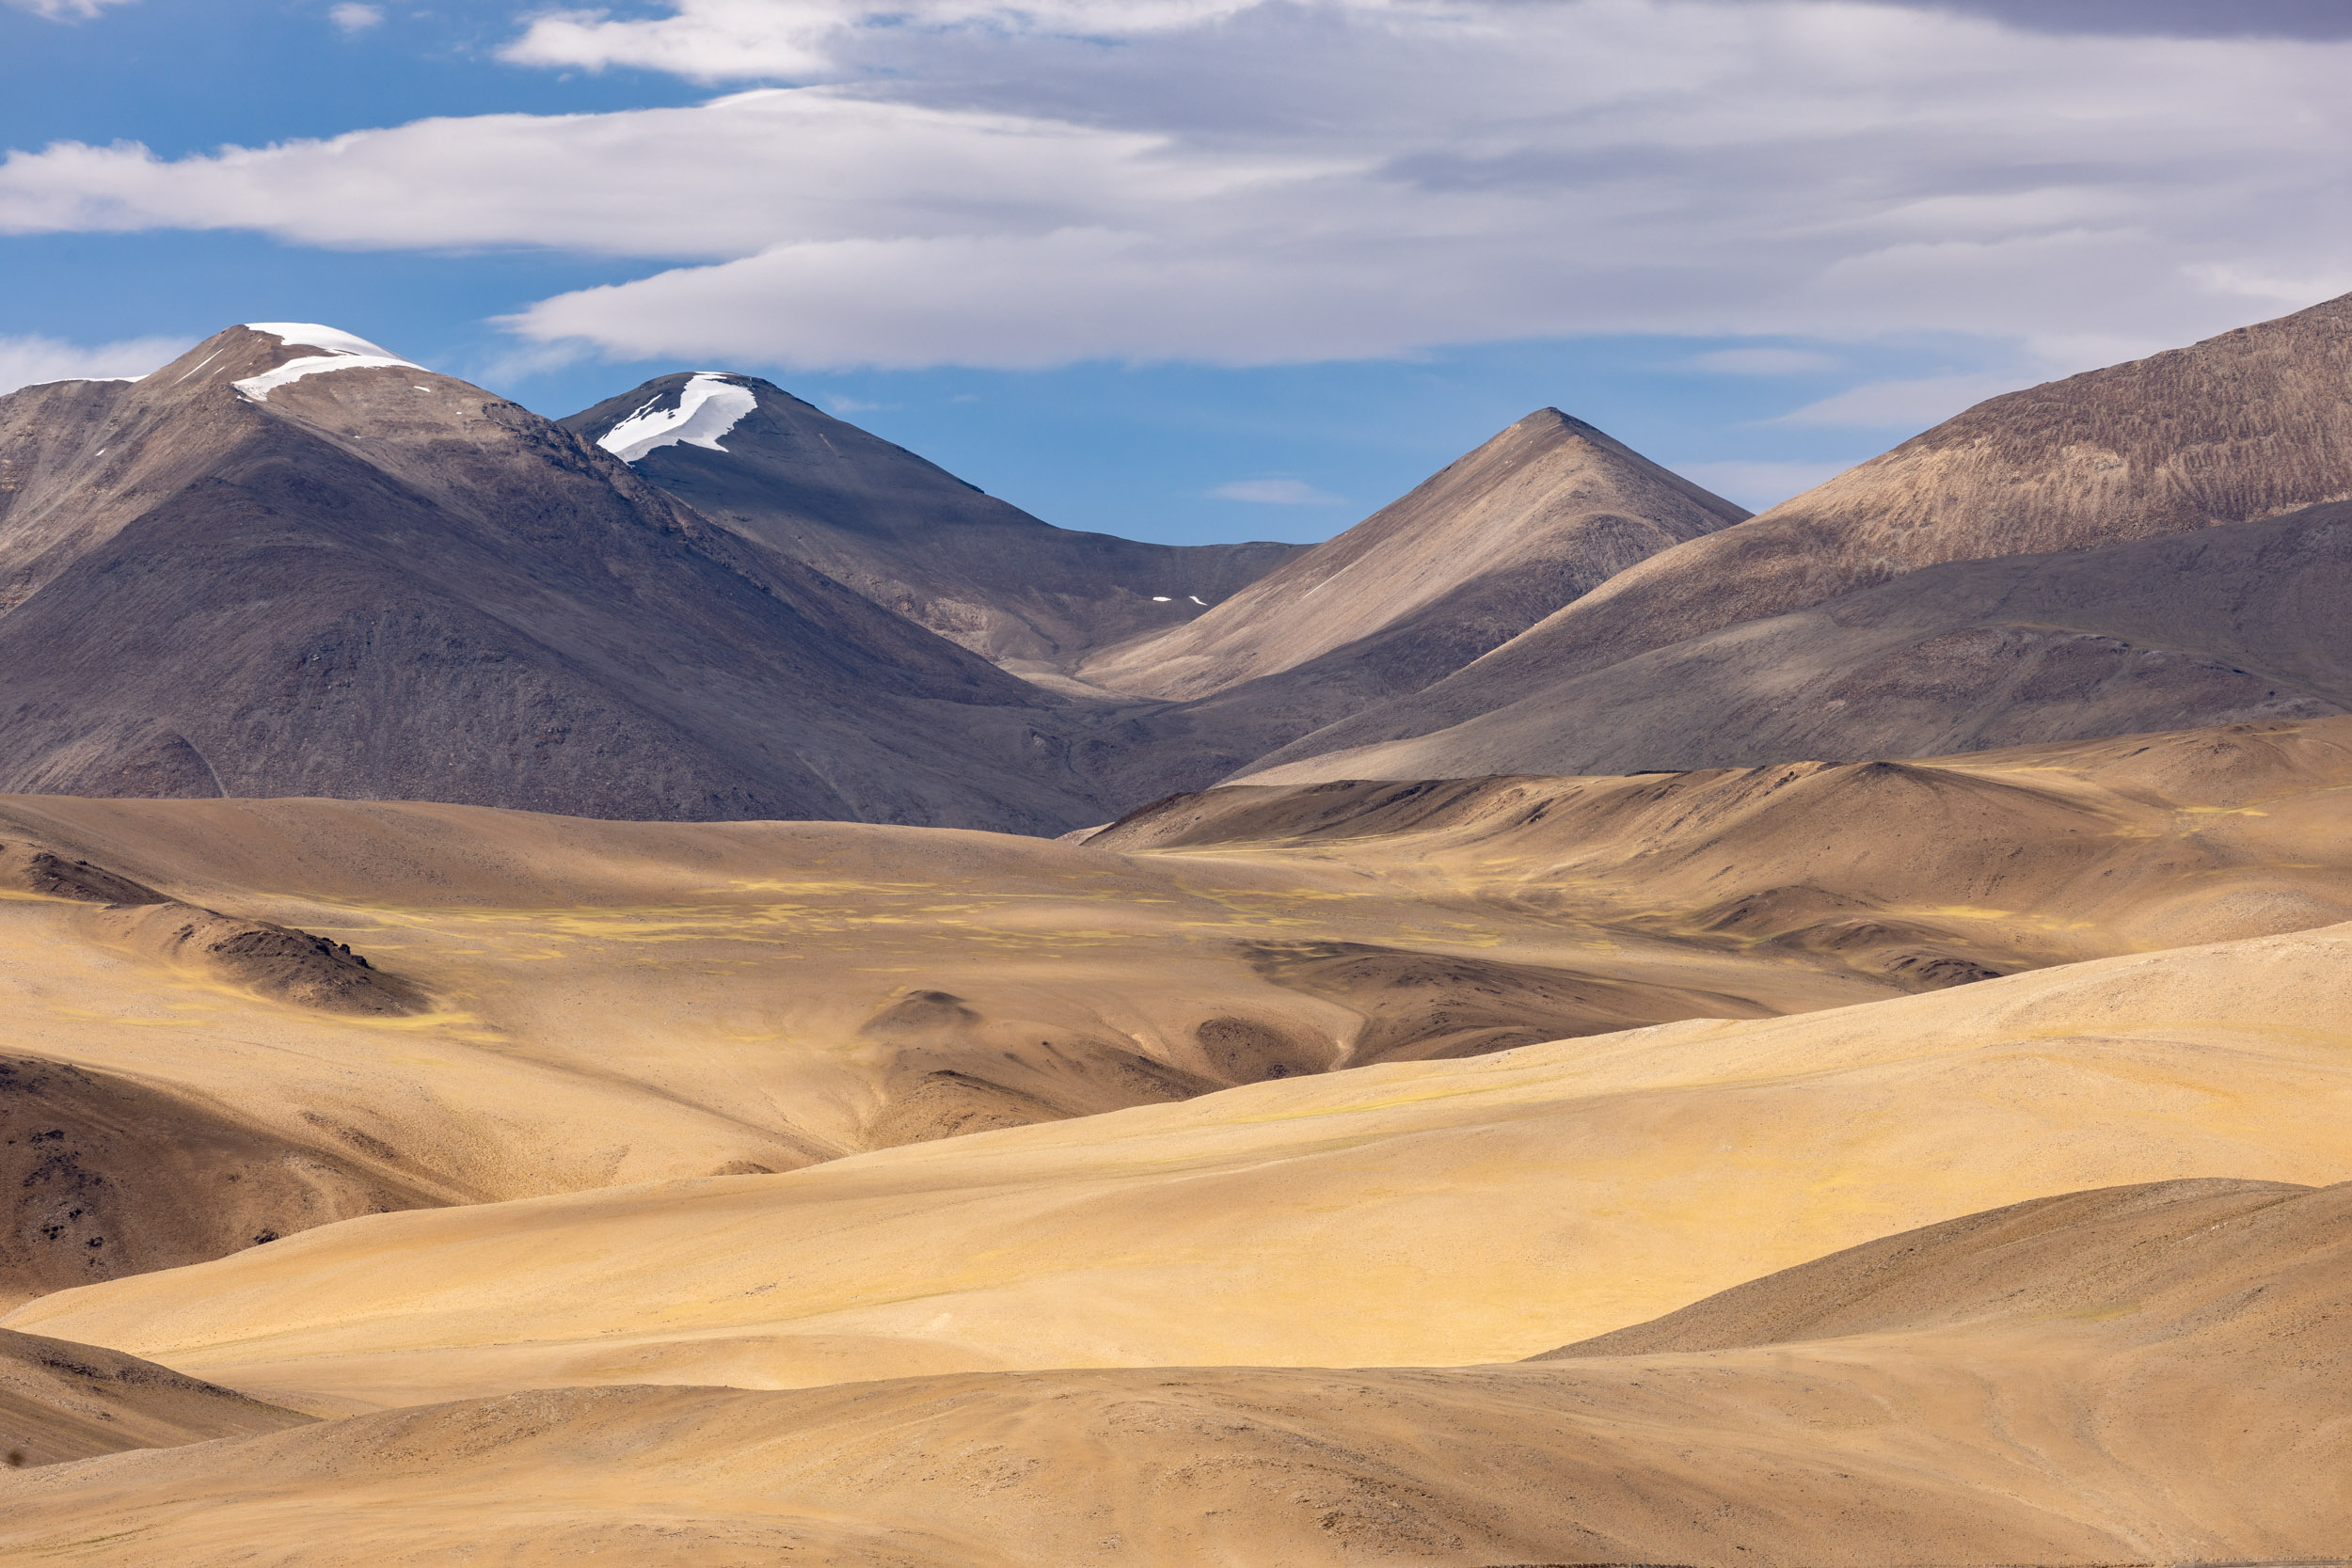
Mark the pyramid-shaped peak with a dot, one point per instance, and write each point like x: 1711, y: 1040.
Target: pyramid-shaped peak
x: 694, y: 409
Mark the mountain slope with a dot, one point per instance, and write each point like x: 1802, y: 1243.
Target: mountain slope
x: 902, y: 532
x: 1542, y: 514
x: 265, y: 570
x: 2240, y: 427
x: 2235, y: 622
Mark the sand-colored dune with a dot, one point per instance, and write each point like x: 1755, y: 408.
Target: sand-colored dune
x: 1404, y: 1215
x: 2144, y: 1374
x: 61, y: 1401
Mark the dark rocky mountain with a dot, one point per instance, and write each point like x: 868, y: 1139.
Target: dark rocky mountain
x: 290, y: 564
x: 1805, y: 628
x: 904, y: 533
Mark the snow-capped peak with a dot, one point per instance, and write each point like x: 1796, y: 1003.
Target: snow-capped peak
x: 344, y: 351
x: 311, y: 335
x: 709, y: 406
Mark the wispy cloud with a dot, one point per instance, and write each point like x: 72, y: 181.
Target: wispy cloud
x: 1763, y: 361
x: 1903, y: 405
x: 1277, y: 492
x: 62, y: 10
x: 353, y: 18
x: 26, y: 361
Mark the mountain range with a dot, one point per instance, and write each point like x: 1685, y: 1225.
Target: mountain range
x: 680, y: 986
x: 291, y: 563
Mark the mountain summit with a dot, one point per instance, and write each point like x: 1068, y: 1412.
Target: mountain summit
x: 292, y: 562
x: 1920, y: 632
x: 1544, y: 513
x: 903, y: 532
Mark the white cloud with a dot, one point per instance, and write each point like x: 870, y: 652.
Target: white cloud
x: 1276, y: 492
x: 1903, y: 405
x: 353, y: 18
x: 723, y: 40
x: 1245, y: 182
x: 1764, y: 361
x: 59, y: 11
x: 29, y: 361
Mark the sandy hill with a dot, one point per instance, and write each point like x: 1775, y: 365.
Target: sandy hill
x: 1736, y: 645
x: 2142, y: 1374
x: 1411, y: 1213
x: 1539, y: 515
x: 233, y: 1021
x: 290, y: 564
x: 61, y: 1400
x: 903, y: 532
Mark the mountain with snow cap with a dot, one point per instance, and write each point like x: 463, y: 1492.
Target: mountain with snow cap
x: 292, y: 562
x: 904, y: 533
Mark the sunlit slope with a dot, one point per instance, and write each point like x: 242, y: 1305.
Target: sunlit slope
x: 2144, y: 1374
x: 610, y: 1002
x: 2033, y: 855
x: 62, y: 1401
x: 589, y: 1004
x: 1411, y: 1213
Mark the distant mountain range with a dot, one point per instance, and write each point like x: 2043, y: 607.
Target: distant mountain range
x: 293, y: 563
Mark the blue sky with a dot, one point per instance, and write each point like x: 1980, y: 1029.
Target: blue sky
x: 1192, y: 269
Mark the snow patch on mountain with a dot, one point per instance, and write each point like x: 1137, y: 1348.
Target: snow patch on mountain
x: 344, y: 351
x: 311, y: 335
x: 709, y: 406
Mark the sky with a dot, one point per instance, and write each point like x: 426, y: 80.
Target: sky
x: 1192, y: 270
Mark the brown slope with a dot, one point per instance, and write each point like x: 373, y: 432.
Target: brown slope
x: 2179, y: 1395
x: 382, y: 582
x: 1922, y: 872
x: 917, y: 540
x: 2234, y: 622
x: 615, y: 1002
x: 2242, y: 427
x: 61, y: 1400
x: 107, y: 1177
x: 1539, y: 515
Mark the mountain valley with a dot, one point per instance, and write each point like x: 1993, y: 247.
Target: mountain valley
x: 680, y: 985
